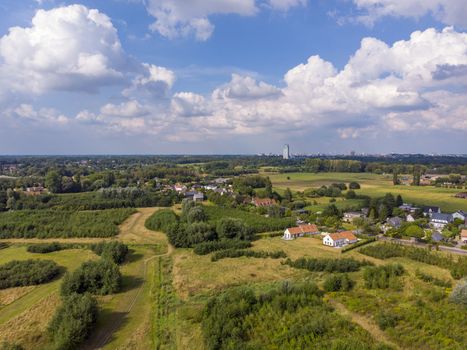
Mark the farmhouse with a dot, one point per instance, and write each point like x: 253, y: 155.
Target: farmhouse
x: 300, y: 231
x: 464, y: 236
x: 439, y: 220
x: 428, y: 211
x: 195, y: 196
x: 460, y: 214
x: 339, y: 239
x: 263, y: 202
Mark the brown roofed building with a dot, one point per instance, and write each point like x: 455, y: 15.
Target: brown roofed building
x: 464, y: 236
x: 263, y: 202
x: 300, y: 231
x: 339, y: 239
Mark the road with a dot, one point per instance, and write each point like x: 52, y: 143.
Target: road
x: 424, y: 245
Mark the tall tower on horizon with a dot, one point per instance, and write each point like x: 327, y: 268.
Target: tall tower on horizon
x: 286, y: 152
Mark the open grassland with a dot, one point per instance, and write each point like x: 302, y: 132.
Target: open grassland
x: 373, y: 185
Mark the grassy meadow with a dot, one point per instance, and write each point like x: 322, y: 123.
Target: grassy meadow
x: 373, y: 185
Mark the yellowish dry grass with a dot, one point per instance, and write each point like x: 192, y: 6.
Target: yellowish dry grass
x: 10, y: 295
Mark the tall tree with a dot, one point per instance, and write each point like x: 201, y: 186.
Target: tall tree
x: 53, y: 181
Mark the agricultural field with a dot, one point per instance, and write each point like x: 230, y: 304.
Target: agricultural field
x: 373, y: 185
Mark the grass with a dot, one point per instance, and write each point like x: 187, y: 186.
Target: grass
x: 375, y: 186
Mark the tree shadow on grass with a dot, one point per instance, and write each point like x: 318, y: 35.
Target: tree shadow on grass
x: 130, y: 282
x: 108, y: 323
x: 132, y: 257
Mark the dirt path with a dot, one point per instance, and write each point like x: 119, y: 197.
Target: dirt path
x: 132, y: 231
x: 364, y: 322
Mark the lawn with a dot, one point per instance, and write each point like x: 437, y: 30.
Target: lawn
x: 375, y: 186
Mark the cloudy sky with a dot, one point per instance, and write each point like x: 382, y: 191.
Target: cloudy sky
x: 233, y: 76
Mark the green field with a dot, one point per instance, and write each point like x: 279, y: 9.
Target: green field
x: 375, y: 186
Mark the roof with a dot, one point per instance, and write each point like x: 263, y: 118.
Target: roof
x: 436, y: 236
x: 263, y: 201
x: 432, y: 208
x: 395, y: 221
x: 464, y: 233
x: 441, y: 217
x: 303, y: 229
x: 343, y: 235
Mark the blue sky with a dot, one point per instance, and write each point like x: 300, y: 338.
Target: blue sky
x: 225, y: 76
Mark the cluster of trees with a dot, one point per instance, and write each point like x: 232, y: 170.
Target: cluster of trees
x: 338, y: 283
x: 246, y: 185
x: 214, y: 246
x: 73, y: 321
x: 240, y: 319
x: 459, y: 293
x: 99, y: 277
x: 383, y: 277
x: 114, y: 251
x: 457, y: 267
x: 236, y: 253
x: 328, y: 265
x: 61, y: 223
x: 384, y: 207
x: 27, y: 272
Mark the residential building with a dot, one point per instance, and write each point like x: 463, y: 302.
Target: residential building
x: 180, y: 188
x: 428, y: 211
x: 460, y: 214
x: 263, y: 202
x: 436, y: 236
x: 410, y: 218
x: 195, y: 196
x: 464, y: 236
x: 439, y: 220
x: 395, y: 222
x: 300, y: 231
x: 350, y: 215
x: 339, y: 239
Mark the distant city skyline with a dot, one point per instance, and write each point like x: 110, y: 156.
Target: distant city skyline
x: 233, y: 77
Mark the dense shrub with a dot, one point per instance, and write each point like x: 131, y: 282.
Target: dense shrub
x: 354, y: 186
x: 44, y: 248
x: 328, y: 265
x: 236, y: 253
x: 390, y: 250
x: 161, y: 220
x: 27, y: 272
x: 459, y: 293
x: 240, y: 319
x: 73, y: 321
x: 115, y: 251
x: 57, y: 223
x: 336, y: 283
x: 97, y: 277
x: 212, y: 246
x: 182, y: 235
x: 386, y: 320
x: 383, y: 277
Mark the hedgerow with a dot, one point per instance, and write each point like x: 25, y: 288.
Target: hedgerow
x: 236, y: 253
x: 27, y: 272
x: 212, y: 246
x: 328, y: 265
x: 43, y: 248
x: 161, y: 220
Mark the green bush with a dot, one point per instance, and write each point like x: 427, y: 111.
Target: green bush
x: 212, y: 246
x: 336, y: 283
x: 27, y: 272
x: 73, y: 321
x: 459, y: 293
x: 115, y: 251
x: 230, y: 228
x: 100, y: 277
x: 383, y: 277
x: 386, y: 320
x: 44, y: 248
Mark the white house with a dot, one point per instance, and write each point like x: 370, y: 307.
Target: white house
x: 410, y: 218
x: 300, y: 231
x: 460, y: 214
x: 439, y: 220
x: 339, y: 239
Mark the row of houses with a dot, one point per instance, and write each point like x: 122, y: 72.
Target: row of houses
x: 337, y: 239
